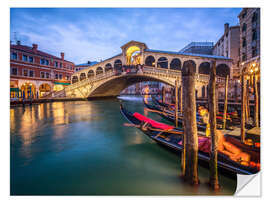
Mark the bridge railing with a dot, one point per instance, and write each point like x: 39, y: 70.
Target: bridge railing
x: 91, y: 79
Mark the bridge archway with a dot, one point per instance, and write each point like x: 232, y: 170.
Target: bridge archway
x: 150, y: 61
x: 90, y: 74
x: 118, y: 64
x: 162, y: 62
x: 175, y: 64
x: 99, y: 71
x: 223, y: 70
x: 108, y: 67
x: 189, y: 66
x: 114, y: 86
x: 82, y: 76
x: 204, y: 68
x: 74, y: 79
x: 133, y: 55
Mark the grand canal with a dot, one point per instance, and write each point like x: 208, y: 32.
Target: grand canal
x: 83, y: 148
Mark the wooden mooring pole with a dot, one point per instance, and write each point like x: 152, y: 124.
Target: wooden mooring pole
x: 243, y: 106
x: 256, y: 103
x: 225, y: 102
x: 190, y: 143
x: 213, y: 180
x: 247, y: 104
x: 181, y: 99
x: 163, y: 94
x: 176, y: 103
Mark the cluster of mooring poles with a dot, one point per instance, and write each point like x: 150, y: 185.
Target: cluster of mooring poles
x: 249, y: 78
x: 185, y: 102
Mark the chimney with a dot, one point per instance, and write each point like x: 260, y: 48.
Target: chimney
x: 226, y: 27
x: 34, y: 47
x: 18, y: 42
x: 62, y: 55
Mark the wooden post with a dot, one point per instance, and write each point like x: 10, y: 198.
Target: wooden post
x: 213, y: 128
x: 243, y: 107
x: 225, y: 102
x: 176, y: 103
x: 163, y: 94
x: 181, y: 99
x: 235, y: 92
x: 256, y: 103
x: 247, y: 104
x: 190, y: 125
x: 216, y: 97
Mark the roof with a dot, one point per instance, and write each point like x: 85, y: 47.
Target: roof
x: 31, y: 51
x: 195, y: 44
x: 90, y: 63
x: 188, y: 54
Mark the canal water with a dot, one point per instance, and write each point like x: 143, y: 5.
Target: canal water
x: 83, y: 148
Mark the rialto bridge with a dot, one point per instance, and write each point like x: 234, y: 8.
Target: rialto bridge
x: 111, y: 76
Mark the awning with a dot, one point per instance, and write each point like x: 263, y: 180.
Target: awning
x: 62, y: 83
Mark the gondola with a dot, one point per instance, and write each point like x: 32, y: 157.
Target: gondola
x: 169, y: 114
x: 170, y: 137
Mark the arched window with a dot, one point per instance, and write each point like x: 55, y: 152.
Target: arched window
x: 162, y: 62
x: 117, y: 64
x: 204, y: 68
x: 175, y: 64
x: 223, y: 70
x: 82, y: 76
x: 150, y: 61
x: 90, y: 74
x: 108, y: 67
x: 99, y: 71
x: 74, y: 79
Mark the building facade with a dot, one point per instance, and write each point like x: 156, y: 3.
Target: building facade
x: 35, y: 74
x: 198, y: 48
x: 249, y: 19
x: 229, y: 46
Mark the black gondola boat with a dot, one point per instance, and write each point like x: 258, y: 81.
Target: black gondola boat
x: 224, y: 162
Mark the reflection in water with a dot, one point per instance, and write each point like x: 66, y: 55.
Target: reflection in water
x: 83, y: 148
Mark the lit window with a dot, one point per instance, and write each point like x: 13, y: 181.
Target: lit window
x: 31, y: 73
x: 25, y: 58
x: 25, y: 72
x: 30, y: 59
x: 14, y: 56
x: 14, y: 71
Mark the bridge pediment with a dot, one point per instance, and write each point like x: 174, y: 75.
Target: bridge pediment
x: 141, y: 45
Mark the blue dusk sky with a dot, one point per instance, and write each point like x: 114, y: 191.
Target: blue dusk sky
x: 98, y: 33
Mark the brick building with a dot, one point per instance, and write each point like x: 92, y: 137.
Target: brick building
x: 34, y: 73
x: 249, y: 19
x: 229, y: 45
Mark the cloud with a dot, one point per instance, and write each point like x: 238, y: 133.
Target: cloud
x: 95, y: 34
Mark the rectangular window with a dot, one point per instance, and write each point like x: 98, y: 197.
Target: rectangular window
x: 31, y: 73
x: 42, y: 74
x: 254, y: 35
x: 56, y: 64
x: 244, y: 43
x: 14, y: 71
x: 47, y: 62
x: 254, y: 51
x: 60, y: 76
x: 25, y: 58
x: 67, y: 77
x: 31, y: 59
x: 47, y: 75
x: 25, y: 72
x: 14, y: 56
x: 60, y: 65
x: 244, y: 57
x: 56, y: 76
x: 42, y: 61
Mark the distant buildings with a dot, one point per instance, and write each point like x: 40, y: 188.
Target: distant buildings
x: 34, y: 73
x: 84, y: 65
x: 228, y: 45
x: 199, y: 48
x: 249, y: 19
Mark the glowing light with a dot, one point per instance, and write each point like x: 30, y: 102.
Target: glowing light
x: 253, y: 64
x: 251, y: 70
